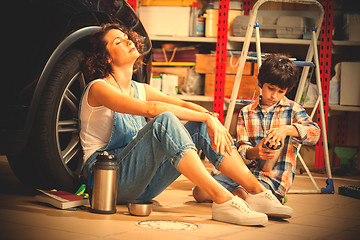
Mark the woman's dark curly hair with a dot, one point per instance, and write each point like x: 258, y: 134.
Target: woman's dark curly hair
x: 278, y: 70
x: 95, y: 62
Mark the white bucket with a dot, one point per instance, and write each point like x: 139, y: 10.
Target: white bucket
x: 211, y: 22
x: 212, y: 19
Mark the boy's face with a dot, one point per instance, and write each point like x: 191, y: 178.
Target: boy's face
x: 271, y: 94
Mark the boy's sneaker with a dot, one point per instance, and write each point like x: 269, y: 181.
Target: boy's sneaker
x: 237, y: 211
x: 267, y: 203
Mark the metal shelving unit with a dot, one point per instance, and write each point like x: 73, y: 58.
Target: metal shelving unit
x: 223, y: 39
x: 183, y: 39
x: 273, y: 40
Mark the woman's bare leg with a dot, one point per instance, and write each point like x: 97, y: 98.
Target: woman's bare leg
x: 192, y: 168
x: 234, y: 167
x: 201, y: 196
x: 226, y: 207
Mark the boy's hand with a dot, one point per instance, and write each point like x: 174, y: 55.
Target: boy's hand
x: 276, y: 135
x: 263, y: 152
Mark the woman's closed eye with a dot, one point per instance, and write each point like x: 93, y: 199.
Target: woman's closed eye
x: 119, y: 40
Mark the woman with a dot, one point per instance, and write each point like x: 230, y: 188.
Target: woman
x: 152, y: 155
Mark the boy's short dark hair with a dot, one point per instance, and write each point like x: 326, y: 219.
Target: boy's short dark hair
x: 278, y: 70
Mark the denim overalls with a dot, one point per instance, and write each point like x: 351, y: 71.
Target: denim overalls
x: 148, y: 154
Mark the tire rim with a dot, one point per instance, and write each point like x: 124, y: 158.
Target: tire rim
x: 67, y: 125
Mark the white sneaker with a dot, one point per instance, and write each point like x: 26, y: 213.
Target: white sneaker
x: 237, y: 211
x: 267, y: 203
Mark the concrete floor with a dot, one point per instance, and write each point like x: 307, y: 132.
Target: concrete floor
x: 316, y: 216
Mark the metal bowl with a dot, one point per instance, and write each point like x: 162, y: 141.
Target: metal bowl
x: 140, y: 208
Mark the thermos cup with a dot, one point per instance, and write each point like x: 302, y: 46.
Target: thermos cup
x: 104, y: 192
x: 268, y: 165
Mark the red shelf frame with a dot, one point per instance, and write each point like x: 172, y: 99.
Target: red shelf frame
x: 325, y: 74
x: 221, y: 54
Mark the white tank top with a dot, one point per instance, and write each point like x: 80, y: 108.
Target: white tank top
x: 96, y: 122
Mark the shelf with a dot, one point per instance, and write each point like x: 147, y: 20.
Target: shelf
x: 338, y: 108
x: 344, y: 108
x: 195, y: 98
x: 241, y: 39
x: 202, y: 98
x: 230, y: 38
x: 345, y: 43
x: 183, y: 39
x: 177, y: 64
x: 273, y: 40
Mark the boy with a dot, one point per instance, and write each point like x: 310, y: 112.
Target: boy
x: 275, y: 119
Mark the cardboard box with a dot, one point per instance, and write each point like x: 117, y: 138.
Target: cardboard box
x: 205, y: 63
x: 165, y: 21
x: 308, y: 155
x: 246, y: 90
x: 350, y: 83
x: 182, y: 72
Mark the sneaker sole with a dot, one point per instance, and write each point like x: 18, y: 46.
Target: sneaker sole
x: 260, y: 221
x: 279, y: 215
x: 282, y: 213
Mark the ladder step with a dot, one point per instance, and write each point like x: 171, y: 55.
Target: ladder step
x: 304, y: 63
x: 252, y: 58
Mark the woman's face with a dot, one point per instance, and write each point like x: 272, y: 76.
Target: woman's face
x: 122, y: 50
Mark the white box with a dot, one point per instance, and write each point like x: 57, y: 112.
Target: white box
x: 350, y: 83
x: 352, y: 30
x: 169, y: 84
x: 290, y: 27
x: 165, y: 21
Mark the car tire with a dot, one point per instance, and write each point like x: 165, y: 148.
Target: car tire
x: 53, y: 155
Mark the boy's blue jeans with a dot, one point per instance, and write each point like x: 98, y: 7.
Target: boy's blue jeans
x: 148, y: 164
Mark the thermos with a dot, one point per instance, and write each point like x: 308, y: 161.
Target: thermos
x: 268, y: 165
x: 104, y: 192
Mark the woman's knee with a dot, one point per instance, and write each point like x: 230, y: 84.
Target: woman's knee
x: 196, y: 127
x: 166, y: 117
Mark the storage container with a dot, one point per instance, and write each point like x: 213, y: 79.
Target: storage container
x: 290, y: 27
x: 165, y: 21
x: 246, y: 89
x: 274, y: 26
x: 350, y: 83
x: 267, y: 26
x: 211, y: 21
x: 206, y: 63
x: 177, y: 54
x: 352, y: 29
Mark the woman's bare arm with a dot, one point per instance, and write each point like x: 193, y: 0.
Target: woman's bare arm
x: 153, y: 94
x: 104, y: 94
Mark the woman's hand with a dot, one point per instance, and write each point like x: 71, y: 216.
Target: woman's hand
x: 220, y: 138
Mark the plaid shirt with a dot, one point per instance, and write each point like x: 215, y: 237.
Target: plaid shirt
x: 254, y: 122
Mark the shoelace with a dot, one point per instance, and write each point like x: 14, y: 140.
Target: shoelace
x: 271, y: 197
x: 241, y: 208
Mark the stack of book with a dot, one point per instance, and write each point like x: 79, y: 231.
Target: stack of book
x: 61, y: 199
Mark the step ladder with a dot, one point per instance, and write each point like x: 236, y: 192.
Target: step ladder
x: 312, y: 55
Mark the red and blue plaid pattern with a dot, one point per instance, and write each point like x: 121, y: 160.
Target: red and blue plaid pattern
x: 254, y: 122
